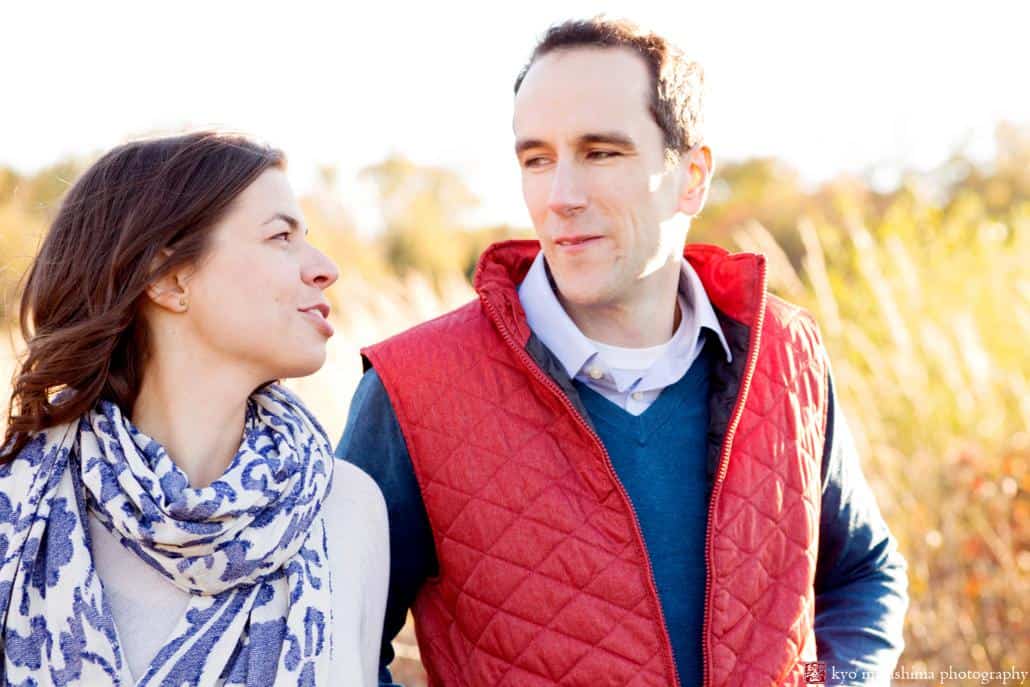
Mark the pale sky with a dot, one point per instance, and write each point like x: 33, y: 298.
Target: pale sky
x: 829, y: 87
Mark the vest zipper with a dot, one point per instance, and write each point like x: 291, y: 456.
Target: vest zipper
x: 541, y: 376
x: 720, y: 475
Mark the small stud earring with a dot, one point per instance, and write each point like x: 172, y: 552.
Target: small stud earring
x: 185, y: 304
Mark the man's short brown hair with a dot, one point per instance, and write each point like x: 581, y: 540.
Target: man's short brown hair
x: 676, y: 81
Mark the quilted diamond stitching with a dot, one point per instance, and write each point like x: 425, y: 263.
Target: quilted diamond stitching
x: 434, y: 479
x: 756, y: 420
x: 506, y: 382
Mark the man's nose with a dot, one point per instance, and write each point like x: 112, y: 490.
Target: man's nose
x: 568, y: 194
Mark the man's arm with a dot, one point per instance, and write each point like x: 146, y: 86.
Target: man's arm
x: 860, y: 582
x: 373, y: 441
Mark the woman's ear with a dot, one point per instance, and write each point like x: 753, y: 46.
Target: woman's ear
x: 697, y: 173
x: 171, y: 292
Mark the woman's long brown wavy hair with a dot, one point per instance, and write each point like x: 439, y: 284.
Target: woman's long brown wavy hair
x: 141, y: 211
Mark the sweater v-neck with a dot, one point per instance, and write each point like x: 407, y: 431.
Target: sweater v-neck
x: 641, y: 428
x: 659, y: 457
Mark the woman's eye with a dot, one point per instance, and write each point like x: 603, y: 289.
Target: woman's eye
x: 282, y: 236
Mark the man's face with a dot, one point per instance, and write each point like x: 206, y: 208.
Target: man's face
x: 594, y: 174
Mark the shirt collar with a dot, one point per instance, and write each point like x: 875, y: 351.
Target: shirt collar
x: 549, y: 321
x: 693, y: 290
x: 556, y: 330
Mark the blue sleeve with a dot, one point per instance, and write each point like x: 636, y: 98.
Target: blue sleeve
x: 373, y: 441
x: 861, y: 587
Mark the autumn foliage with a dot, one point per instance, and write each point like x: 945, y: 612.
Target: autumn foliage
x: 923, y: 295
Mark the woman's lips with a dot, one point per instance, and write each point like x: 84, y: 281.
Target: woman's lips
x: 317, y: 315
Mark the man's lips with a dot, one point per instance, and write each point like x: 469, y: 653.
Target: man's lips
x: 319, y: 316
x: 575, y: 240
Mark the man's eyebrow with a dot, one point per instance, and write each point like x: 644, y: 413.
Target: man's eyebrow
x: 528, y: 143
x: 610, y: 137
x: 289, y: 219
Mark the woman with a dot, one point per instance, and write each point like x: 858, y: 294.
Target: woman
x: 168, y: 514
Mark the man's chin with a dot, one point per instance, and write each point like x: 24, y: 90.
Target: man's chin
x: 581, y: 293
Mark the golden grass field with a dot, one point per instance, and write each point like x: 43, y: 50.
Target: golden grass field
x: 927, y: 324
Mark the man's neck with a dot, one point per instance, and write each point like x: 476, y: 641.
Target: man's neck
x: 647, y: 317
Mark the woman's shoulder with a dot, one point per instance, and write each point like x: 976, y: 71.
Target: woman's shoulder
x: 353, y: 484
x: 358, y: 535
x: 359, y: 557
x: 354, y: 499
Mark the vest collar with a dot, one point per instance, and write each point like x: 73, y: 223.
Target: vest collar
x: 735, y: 282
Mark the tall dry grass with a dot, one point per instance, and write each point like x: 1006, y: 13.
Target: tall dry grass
x: 927, y: 324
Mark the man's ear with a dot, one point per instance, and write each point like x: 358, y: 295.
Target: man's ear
x: 697, y: 169
x: 171, y: 292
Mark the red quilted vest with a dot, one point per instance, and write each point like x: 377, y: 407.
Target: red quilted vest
x: 544, y: 578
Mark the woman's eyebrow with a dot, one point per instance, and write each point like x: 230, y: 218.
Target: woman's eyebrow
x: 289, y: 219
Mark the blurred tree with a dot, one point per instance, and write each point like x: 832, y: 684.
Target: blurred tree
x: 475, y: 241
x: 27, y: 204
x: 422, y: 209
x: 333, y: 231
x: 762, y: 189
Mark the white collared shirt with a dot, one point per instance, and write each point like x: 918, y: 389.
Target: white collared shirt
x: 631, y: 378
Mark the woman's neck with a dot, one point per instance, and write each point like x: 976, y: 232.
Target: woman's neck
x: 197, y: 418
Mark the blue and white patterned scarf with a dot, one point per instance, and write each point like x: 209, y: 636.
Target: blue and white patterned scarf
x: 250, y: 548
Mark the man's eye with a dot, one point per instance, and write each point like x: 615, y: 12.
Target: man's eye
x: 603, y: 154
x: 534, y: 162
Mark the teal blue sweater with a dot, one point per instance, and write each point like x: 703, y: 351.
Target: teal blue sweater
x: 860, y: 577
x: 659, y: 457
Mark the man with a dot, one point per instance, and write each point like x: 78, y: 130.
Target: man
x: 622, y: 464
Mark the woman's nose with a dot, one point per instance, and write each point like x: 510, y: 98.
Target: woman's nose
x: 320, y: 270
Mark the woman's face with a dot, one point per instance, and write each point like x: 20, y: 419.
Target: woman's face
x: 255, y: 299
